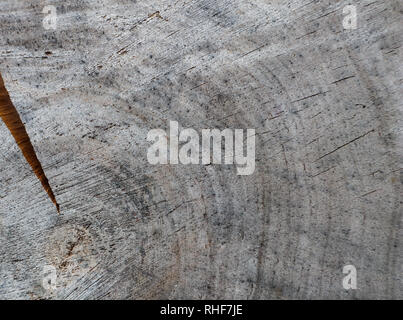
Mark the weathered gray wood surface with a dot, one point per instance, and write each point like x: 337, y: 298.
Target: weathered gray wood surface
x: 325, y: 103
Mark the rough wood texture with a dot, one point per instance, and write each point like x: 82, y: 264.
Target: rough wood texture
x: 326, y: 106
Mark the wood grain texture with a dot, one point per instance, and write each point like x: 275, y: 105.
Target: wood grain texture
x: 326, y: 106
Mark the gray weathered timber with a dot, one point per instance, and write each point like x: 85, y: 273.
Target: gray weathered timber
x: 326, y: 104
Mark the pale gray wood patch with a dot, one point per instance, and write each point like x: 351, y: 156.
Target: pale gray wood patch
x: 326, y: 106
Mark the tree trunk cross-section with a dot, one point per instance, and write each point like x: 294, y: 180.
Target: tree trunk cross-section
x: 326, y: 104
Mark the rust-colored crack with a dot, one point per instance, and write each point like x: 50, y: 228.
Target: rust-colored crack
x: 11, y: 118
x: 156, y: 14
